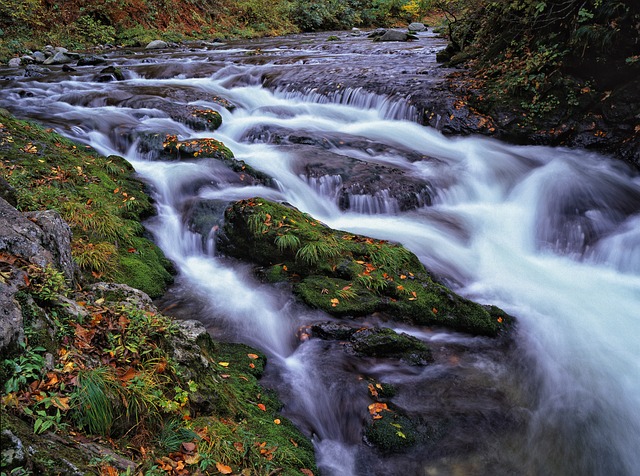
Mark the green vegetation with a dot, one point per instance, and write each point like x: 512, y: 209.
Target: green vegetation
x: 346, y: 274
x: 77, y: 24
x: 548, y: 58
x: 98, y: 196
x: 117, y: 369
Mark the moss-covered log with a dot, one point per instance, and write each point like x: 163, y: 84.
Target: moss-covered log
x: 346, y: 274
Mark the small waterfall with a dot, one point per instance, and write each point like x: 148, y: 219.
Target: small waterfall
x: 389, y: 107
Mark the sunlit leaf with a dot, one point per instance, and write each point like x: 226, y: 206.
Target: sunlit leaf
x: 253, y: 356
x: 262, y: 407
x: 223, y: 468
x: 223, y: 364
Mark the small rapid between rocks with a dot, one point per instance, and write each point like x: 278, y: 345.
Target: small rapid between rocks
x: 550, y: 235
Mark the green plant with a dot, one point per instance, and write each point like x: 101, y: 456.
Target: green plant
x: 25, y: 368
x: 173, y: 433
x: 43, y: 419
x: 287, y: 241
x: 47, y: 283
x: 96, y: 399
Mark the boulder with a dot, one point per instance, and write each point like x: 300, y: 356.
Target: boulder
x: 417, y: 26
x: 42, y: 238
x: 386, y: 343
x: 14, y: 62
x: 39, y: 57
x: 59, y: 57
x: 157, y: 45
x: 347, y: 275
x: 91, y: 60
x: 395, y: 35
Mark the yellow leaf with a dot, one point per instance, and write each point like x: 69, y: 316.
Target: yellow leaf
x: 224, y: 364
x: 277, y: 421
x: 223, y: 468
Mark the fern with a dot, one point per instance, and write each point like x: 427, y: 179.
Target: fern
x: 287, y: 242
x: 256, y: 223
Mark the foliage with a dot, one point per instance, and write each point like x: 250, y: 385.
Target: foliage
x: 544, y: 54
x: 111, y: 372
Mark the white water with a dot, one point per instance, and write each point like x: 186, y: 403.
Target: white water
x: 495, y: 230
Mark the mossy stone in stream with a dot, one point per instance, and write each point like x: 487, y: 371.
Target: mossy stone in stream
x: 392, y: 433
x: 386, y: 342
x: 346, y: 274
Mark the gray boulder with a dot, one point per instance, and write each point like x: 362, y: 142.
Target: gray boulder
x: 417, y: 26
x: 15, y: 62
x: 156, y: 45
x: 395, y: 35
x: 59, y: 57
x: 39, y: 57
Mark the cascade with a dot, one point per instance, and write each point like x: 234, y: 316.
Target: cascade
x: 550, y: 235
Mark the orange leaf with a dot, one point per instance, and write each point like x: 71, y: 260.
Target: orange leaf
x: 253, y: 356
x: 252, y: 365
x: 373, y: 390
x: 434, y: 310
x: 277, y: 421
x: 129, y: 374
x: 239, y: 447
x: 262, y: 407
x: 500, y: 320
x: 306, y: 472
x: 223, y: 468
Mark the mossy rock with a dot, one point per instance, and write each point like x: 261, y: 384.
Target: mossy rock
x: 386, y: 343
x: 193, y: 148
x: 346, y: 274
x: 392, y: 433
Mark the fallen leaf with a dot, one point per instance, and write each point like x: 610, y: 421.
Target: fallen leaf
x: 239, y: 447
x: 223, y: 364
x: 262, y: 407
x: 253, y: 356
x: 187, y: 447
x: 306, y: 472
x: 223, y: 468
x: 277, y: 421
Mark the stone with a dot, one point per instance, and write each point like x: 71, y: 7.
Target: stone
x: 39, y: 57
x: 91, y: 60
x: 417, y: 26
x: 14, y: 62
x: 157, y: 45
x: 386, y: 343
x: 59, y: 57
x: 41, y: 238
x: 395, y: 35
x: 7, y: 192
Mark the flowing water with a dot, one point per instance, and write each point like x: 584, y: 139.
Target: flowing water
x: 550, y: 235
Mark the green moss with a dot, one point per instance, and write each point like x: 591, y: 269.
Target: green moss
x: 98, y: 196
x: 346, y: 274
x: 392, y: 433
x: 144, y: 267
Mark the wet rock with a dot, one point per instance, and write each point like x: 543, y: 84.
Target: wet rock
x: 108, y: 74
x: 35, y: 71
x: 347, y: 275
x: 39, y: 57
x: 157, y: 45
x: 417, y: 26
x: 60, y: 57
x: 386, y: 343
x: 15, y: 62
x: 91, y: 60
x: 333, y: 330
x: 205, y: 216
x: 395, y: 35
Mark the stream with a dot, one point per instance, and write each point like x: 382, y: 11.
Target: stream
x: 550, y: 235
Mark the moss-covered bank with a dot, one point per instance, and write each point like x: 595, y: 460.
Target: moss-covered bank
x: 98, y: 196
x: 346, y: 274
x: 104, y: 382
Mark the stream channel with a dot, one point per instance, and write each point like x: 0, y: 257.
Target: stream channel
x: 550, y: 235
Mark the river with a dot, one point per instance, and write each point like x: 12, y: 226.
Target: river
x: 550, y: 235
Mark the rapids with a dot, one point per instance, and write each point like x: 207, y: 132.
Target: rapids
x: 550, y: 235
